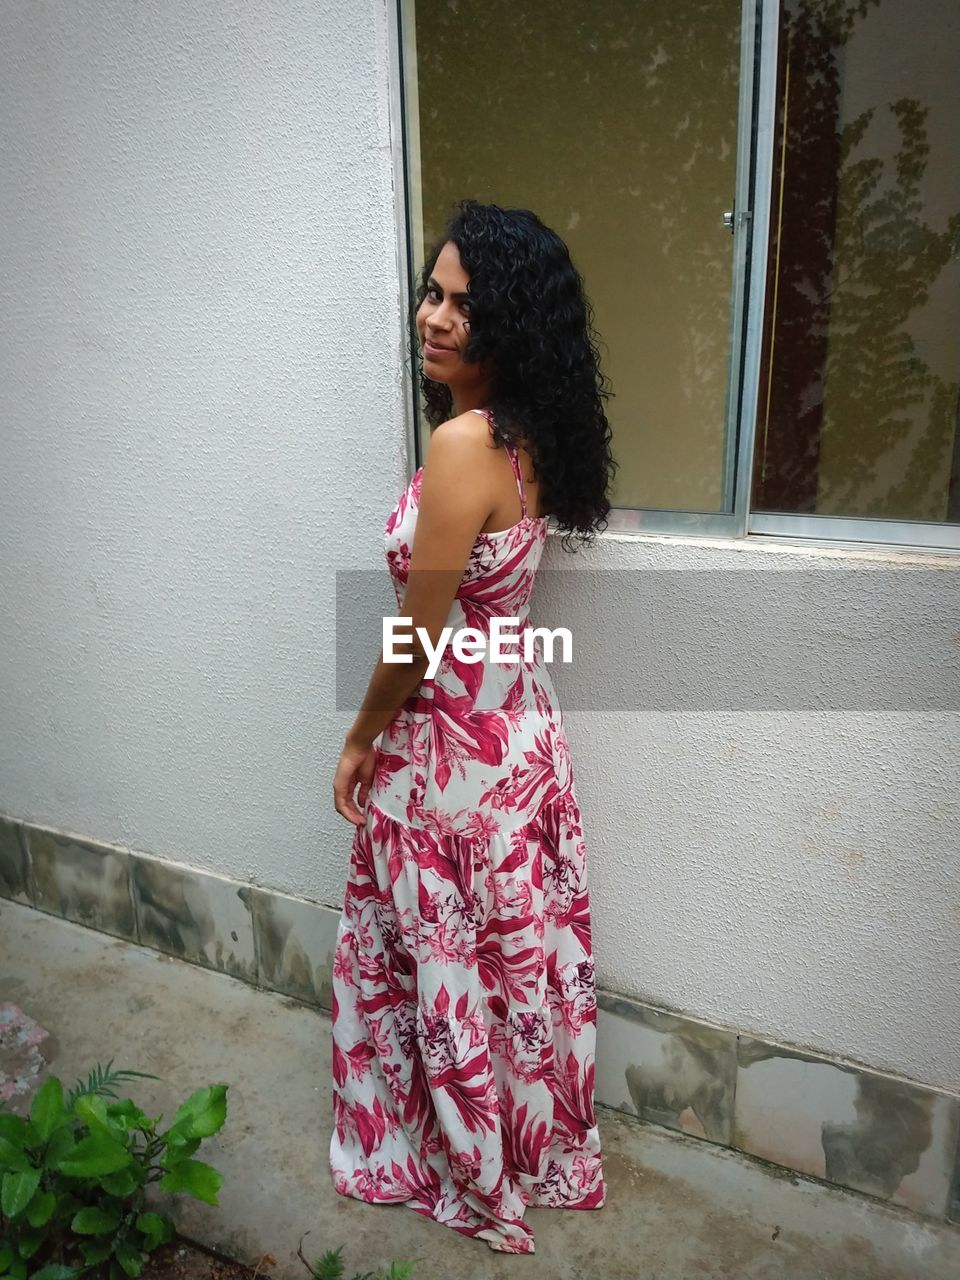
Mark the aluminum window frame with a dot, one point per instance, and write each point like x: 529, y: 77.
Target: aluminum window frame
x: 756, y: 130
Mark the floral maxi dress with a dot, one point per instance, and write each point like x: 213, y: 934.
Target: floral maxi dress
x: 464, y: 1002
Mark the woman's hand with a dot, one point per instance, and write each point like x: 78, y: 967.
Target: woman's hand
x: 354, y: 768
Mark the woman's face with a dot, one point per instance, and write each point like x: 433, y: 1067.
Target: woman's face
x: 443, y: 323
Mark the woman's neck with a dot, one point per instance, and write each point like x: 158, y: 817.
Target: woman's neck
x: 467, y: 398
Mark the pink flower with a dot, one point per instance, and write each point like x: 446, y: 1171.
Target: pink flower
x: 466, y: 1166
x: 482, y: 826
x: 342, y: 962
x: 444, y: 944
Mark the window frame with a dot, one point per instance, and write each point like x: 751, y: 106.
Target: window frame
x: 751, y: 199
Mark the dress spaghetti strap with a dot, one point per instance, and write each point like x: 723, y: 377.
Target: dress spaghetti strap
x: 518, y: 473
x: 514, y: 462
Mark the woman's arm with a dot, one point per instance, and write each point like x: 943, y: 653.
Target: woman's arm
x: 457, y: 494
x: 390, y: 685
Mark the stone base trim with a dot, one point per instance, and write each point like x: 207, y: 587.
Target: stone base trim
x: 867, y: 1131
x: 863, y: 1130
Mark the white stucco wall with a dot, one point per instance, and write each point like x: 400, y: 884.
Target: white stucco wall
x: 794, y: 874
x: 201, y: 408
x: 202, y: 420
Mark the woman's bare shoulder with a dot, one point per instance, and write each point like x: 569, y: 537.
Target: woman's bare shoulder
x: 468, y: 434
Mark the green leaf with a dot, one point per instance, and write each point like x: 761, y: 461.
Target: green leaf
x: 67, y: 1206
x: 156, y: 1228
x: 13, y: 1157
x: 201, y: 1115
x: 124, y: 1182
x: 40, y: 1209
x: 55, y: 1272
x: 17, y: 1190
x: 48, y: 1114
x: 18, y: 1269
x: 94, y: 1222
x: 30, y: 1242
x: 195, y: 1178
x: 103, y: 1080
x: 94, y: 1156
x: 6, y: 1257
x: 130, y: 1259
x: 60, y: 1147
x: 92, y: 1110
x: 178, y: 1151
x: 129, y: 1116
x: 329, y: 1266
x: 399, y: 1271
x: 95, y: 1251
x: 13, y: 1128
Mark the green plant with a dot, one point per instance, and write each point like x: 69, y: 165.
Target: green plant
x: 74, y: 1177
x: 330, y: 1267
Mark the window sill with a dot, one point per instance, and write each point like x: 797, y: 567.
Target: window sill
x: 784, y: 545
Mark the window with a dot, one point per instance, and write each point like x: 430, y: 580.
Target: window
x: 764, y: 207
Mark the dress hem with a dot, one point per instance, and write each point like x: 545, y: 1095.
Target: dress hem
x: 498, y: 1241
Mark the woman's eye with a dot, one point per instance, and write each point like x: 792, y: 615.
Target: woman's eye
x: 433, y: 294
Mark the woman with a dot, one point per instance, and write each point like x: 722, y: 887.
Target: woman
x: 464, y: 1005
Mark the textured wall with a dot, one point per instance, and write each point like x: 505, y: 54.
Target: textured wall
x: 793, y: 873
x: 199, y: 347
x: 199, y: 354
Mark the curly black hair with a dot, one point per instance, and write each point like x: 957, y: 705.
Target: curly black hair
x: 531, y: 320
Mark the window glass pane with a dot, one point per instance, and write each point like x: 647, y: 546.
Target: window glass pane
x: 616, y: 123
x: 858, y: 405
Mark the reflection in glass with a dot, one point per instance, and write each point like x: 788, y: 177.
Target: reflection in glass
x: 858, y: 404
x: 616, y: 123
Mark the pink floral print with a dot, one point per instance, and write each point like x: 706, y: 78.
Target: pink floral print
x: 464, y: 1002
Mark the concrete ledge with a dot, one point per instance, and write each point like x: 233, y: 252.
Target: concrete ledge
x: 891, y: 1138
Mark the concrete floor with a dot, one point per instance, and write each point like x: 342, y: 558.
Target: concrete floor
x: 678, y: 1208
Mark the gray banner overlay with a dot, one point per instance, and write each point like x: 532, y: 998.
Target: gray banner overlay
x: 717, y: 640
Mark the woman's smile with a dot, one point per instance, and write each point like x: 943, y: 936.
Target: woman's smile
x: 435, y: 349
